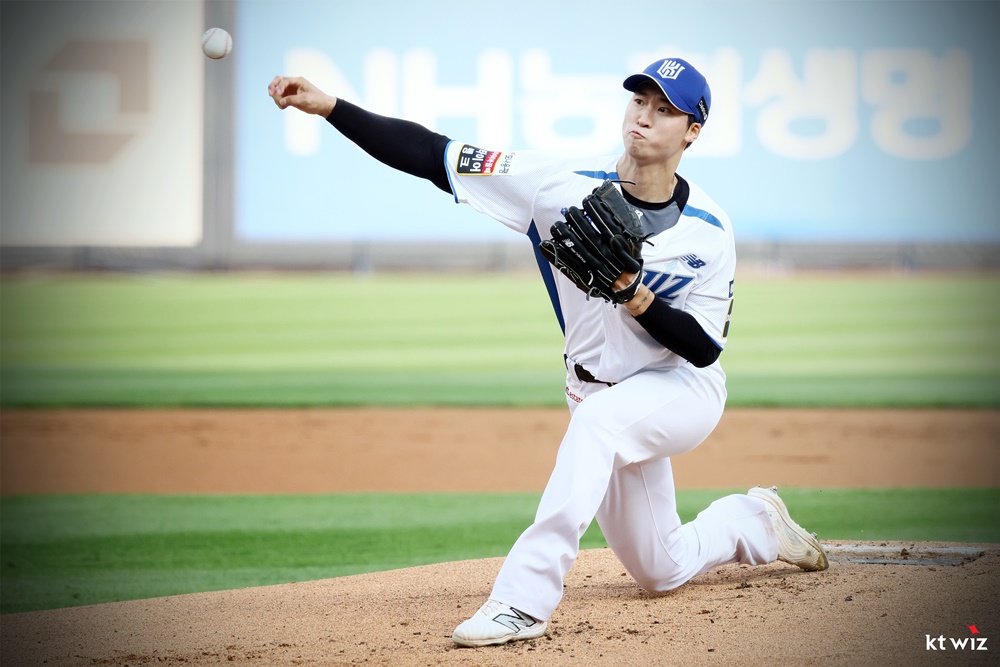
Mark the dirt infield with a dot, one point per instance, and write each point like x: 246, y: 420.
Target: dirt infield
x: 413, y: 450
x: 854, y: 614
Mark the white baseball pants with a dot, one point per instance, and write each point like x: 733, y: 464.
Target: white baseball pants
x: 613, y: 464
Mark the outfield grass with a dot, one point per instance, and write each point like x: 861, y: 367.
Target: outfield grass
x: 61, y: 551
x: 333, y: 339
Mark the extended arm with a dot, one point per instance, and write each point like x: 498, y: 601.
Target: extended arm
x: 400, y: 144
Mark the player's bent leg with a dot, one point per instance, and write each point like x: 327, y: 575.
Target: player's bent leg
x: 733, y: 529
x: 638, y: 519
x: 640, y: 522
x: 648, y: 416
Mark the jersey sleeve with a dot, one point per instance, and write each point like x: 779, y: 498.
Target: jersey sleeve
x: 499, y: 184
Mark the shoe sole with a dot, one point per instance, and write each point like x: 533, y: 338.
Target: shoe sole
x: 527, y: 633
x: 775, y: 501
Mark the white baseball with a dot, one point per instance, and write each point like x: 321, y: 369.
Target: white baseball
x: 216, y: 43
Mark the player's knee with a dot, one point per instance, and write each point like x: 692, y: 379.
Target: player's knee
x: 659, y: 572
x: 658, y: 584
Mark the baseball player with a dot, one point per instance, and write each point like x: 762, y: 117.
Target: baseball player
x: 643, y: 378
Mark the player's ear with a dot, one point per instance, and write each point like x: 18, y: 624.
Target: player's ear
x: 693, y: 131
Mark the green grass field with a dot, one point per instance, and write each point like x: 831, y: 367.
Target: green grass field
x: 310, y: 340
x: 317, y: 340
x: 63, y: 551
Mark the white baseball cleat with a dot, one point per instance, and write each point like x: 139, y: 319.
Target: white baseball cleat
x: 497, y: 623
x: 795, y: 545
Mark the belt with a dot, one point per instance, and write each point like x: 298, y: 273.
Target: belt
x: 584, y: 375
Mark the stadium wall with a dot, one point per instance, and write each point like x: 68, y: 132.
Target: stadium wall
x: 832, y: 148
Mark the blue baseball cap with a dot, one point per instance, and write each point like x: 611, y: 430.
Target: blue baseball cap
x: 683, y: 85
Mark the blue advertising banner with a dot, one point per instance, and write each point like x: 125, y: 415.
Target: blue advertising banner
x: 831, y: 121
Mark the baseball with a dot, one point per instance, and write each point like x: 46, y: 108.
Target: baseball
x: 216, y: 43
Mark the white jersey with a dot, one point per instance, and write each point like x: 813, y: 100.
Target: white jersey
x: 690, y: 260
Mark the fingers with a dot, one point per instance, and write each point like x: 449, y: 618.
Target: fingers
x: 277, y: 86
x: 276, y: 89
x: 285, y: 90
x: 630, y: 264
x: 297, y: 101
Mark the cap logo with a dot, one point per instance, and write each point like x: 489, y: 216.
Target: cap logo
x: 670, y: 69
x: 703, y: 109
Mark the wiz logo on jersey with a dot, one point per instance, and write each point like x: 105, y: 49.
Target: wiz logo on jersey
x: 669, y: 283
x: 665, y: 285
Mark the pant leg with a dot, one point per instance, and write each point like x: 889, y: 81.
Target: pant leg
x: 531, y: 578
x: 651, y: 415
x: 640, y: 522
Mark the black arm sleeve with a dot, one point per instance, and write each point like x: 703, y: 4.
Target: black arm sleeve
x: 400, y: 144
x: 679, y: 332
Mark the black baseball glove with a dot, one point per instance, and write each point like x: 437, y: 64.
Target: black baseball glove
x: 593, y: 247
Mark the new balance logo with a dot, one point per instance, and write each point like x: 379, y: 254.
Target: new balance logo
x: 670, y: 69
x: 693, y: 261
x: 515, y: 621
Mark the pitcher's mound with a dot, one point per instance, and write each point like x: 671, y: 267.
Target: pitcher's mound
x: 879, y: 603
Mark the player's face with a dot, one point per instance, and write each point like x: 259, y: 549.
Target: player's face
x: 654, y: 130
